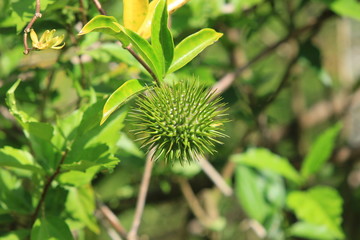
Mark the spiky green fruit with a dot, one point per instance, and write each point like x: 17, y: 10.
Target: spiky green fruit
x: 180, y: 121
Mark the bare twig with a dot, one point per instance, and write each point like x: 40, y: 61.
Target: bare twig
x: 112, y: 219
x: 82, y: 12
x: 28, y: 27
x: 99, y: 7
x: 282, y: 83
x: 131, y: 51
x: 214, y: 176
x: 192, y: 200
x: 142, y: 196
x: 46, y: 188
x: 225, y: 82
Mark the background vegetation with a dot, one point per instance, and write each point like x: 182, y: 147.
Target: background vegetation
x: 289, y: 73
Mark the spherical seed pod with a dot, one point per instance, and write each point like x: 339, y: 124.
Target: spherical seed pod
x: 179, y: 121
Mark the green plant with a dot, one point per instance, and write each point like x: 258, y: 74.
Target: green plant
x: 70, y: 165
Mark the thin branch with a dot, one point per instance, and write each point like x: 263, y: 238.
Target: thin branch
x: 141, y: 61
x: 192, y: 200
x: 112, y: 219
x: 28, y: 27
x: 225, y: 82
x: 82, y: 12
x: 46, y: 188
x: 214, y: 176
x: 142, y: 196
x: 282, y: 83
x: 99, y: 7
x: 132, y: 52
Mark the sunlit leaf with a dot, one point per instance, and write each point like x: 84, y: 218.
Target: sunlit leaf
x: 320, y: 206
x: 161, y: 38
x: 134, y: 12
x: 250, y: 191
x: 80, y: 204
x: 105, y: 24
x: 39, y: 134
x: 94, y: 145
x: 50, y: 228
x: 145, y: 29
x: 310, y: 231
x: 346, y: 8
x: 121, y: 95
x: 261, y: 158
x: 17, y: 158
x: 320, y: 151
x: 191, y: 46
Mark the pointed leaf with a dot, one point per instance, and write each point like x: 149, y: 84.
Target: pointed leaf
x: 161, y: 38
x: 39, y: 134
x: 50, y: 228
x: 262, y: 158
x: 11, y: 157
x: 145, y: 50
x: 80, y: 204
x: 105, y: 24
x: 250, y: 193
x: 320, y: 151
x: 345, y: 8
x: 121, y: 95
x: 94, y: 145
x: 191, y: 46
x: 310, y: 231
x: 134, y: 12
x: 321, y: 206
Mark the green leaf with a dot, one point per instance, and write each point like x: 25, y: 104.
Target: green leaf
x: 320, y: 151
x: 105, y: 24
x: 16, y: 235
x: 95, y: 145
x: 346, y: 8
x: 20, y: 116
x: 11, y: 157
x: 161, y: 38
x: 80, y: 204
x: 321, y: 206
x: 22, y: 13
x: 39, y: 134
x: 261, y: 158
x: 13, y: 197
x: 77, y: 178
x: 191, y: 46
x: 310, y: 231
x: 145, y: 50
x: 52, y: 228
x: 250, y: 193
x: 121, y: 95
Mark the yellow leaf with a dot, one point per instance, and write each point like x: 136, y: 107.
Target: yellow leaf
x: 173, y: 5
x: 145, y: 29
x: 134, y: 13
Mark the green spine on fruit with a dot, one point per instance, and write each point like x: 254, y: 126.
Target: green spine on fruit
x: 179, y: 121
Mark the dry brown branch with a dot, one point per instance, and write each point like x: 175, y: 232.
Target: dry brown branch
x: 29, y: 26
x: 142, y: 196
